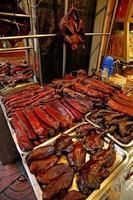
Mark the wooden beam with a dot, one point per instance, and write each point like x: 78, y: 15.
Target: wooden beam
x: 126, y: 41
x: 107, y: 23
x: 129, y: 11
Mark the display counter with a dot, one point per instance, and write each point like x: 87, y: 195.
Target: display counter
x: 37, y: 114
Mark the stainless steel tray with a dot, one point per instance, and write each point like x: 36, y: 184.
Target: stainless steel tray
x: 87, y: 120
x: 18, y: 87
x: 119, y: 164
x: 13, y: 134
x: 108, y: 134
x: 130, y: 144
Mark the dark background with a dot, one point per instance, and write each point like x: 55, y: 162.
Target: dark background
x: 49, y: 14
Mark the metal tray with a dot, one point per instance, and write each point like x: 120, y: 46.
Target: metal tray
x: 12, y: 131
x: 130, y: 144
x: 86, y: 119
x: 108, y: 134
x: 119, y: 164
x: 13, y: 134
x: 18, y: 87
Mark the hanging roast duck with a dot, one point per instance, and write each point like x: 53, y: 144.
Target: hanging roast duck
x: 71, y: 28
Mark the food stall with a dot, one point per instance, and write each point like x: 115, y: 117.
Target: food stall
x: 74, y: 133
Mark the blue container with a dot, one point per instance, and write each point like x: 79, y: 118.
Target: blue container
x: 108, y: 65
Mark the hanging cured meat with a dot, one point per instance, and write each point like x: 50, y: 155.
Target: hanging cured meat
x: 71, y: 28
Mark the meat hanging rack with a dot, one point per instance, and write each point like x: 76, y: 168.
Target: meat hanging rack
x: 33, y: 37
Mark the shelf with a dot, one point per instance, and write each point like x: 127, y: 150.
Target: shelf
x: 14, y: 14
x: 15, y: 49
x: 123, y: 20
x: 131, y: 20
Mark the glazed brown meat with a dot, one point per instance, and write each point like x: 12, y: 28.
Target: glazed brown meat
x: 34, y: 122
x: 73, y: 118
x: 100, y: 86
x: 86, y: 102
x: 43, y: 95
x: 73, y: 93
x: 84, y: 130
x: 91, y: 175
x: 31, y: 134
x: 58, y: 185
x: 54, y: 113
x: 74, y: 195
x: 56, y: 105
x: 63, y: 144
x: 18, y: 95
x: 124, y: 125
x: 45, y: 117
x: 102, y: 112
x: 40, y: 153
x: 80, y: 98
x: 110, y: 117
x: 71, y: 28
x: 88, y: 91
x: 120, y: 107
x: 77, y: 157
x: 125, y: 97
x: 41, y: 165
x: 78, y: 106
x: 47, y: 176
x: 107, y: 155
x: 93, y: 142
x: 122, y: 101
x: 21, y: 135
x: 77, y: 115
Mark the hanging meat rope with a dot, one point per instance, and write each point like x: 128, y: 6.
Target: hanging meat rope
x: 71, y: 28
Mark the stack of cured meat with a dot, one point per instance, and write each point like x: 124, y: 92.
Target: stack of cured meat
x: 58, y: 165
x: 39, y: 112
x: 118, y: 120
x: 12, y: 73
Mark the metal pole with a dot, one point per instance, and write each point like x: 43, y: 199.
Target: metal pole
x: 44, y: 35
x: 27, y: 52
x: 36, y: 42
x: 96, y: 34
x: 64, y: 46
x: 33, y: 31
x: 15, y: 49
x: 14, y: 15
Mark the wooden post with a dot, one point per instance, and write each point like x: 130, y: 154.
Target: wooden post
x: 106, y: 28
x: 126, y: 41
